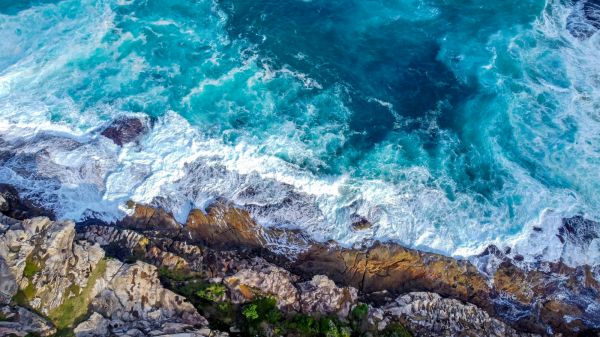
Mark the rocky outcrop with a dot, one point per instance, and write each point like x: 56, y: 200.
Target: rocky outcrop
x: 261, y: 278
x: 132, y: 301
x: 321, y: 295
x: 397, y: 269
x: 15, y: 207
x: 45, y: 262
x: 126, y: 130
x: 541, y: 298
x: 43, y: 267
x: 430, y: 315
x: 46, y: 266
x: 248, y: 278
x: 19, y: 321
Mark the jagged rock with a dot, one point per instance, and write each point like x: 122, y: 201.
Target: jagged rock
x: 43, y: 259
x: 12, y: 205
x: 146, y: 218
x: 224, y: 226
x: 430, y: 315
x: 58, y: 264
x: 8, y: 283
x: 133, y: 294
x: 396, y: 269
x: 321, y: 295
x: 360, y: 223
x: 125, y: 130
x: 96, y: 325
x: 538, y: 298
x: 19, y: 321
x: 264, y: 279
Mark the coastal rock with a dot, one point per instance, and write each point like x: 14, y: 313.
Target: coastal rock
x: 19, y: 321
x: 225, y: 226
x: 264, y: 279
x: 147, y: 218
x: 536, y: 298
x: 132, y: 297
x: 12, y: 205
x: 46, y: 263
x: 126, y: 130
x: 8, y: 283
x: 396, y: 269
x: 321, y: 295
x: 43, y: 266
x: 430, y: 315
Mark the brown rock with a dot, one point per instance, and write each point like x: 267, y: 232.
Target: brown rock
x: 147, y: 218
x: 396, y: 269
x: 225, y: 226
x: 125, y: 130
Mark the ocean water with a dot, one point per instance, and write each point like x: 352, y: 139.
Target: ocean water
x: 449, y: 125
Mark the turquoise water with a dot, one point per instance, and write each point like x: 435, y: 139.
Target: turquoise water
x: 448, y: 124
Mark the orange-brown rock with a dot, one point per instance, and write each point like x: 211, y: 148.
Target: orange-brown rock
x: 224, y: 226
x: 397, y: 269
x: 148, y: 218
x: 539, y: 298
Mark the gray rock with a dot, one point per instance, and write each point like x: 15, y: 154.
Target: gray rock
x: 20, y: 322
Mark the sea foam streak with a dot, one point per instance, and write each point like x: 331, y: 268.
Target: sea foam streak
x: 54, y: 101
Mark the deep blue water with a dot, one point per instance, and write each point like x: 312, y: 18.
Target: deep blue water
x: 448, y: 124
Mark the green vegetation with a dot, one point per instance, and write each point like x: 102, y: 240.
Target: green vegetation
x: 31, y: 267
x: 250, y: 312
x: 175, y: 275
x: 213, y: 292
x: 65, y: 332
x: 396, y: 330
x: 74, y: 308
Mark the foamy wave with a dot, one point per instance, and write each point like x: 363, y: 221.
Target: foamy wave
x: 63, y: 163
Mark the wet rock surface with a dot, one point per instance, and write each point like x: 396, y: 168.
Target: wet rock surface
x: 548, y: 297
x: 46, y: 264
x: 126, y: 130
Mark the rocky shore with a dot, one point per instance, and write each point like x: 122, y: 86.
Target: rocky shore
x: 221, y: 274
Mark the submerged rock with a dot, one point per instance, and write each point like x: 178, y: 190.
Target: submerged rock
x: 126, y: 130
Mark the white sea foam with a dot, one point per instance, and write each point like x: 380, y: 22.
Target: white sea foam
x: 67, y: 166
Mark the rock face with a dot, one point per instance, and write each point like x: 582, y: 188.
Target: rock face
x: 248, y: 278
x: 321, y: 295
x: 430, y: 315
x: 397, y: 269
x: 263, y: 279
x: 43, y: 267
x: 19, y: 321
x: 131, y: 298
x: 17, y: 208
x: 45, y: 261
x: 46, y: 267
x: 541, y: 298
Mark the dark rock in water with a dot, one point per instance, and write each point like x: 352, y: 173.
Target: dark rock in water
x: 584, y: 21
x: 125, y: 130
x: 360, y: 223
x: 578, y: 230
x: 12, y: 205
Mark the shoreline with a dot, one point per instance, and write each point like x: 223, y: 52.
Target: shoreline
x: 271, y: 202
x: 538, y: 298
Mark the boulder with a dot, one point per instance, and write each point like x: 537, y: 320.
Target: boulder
x: 126, y: 129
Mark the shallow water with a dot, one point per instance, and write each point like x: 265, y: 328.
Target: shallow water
x: 449, y: 125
